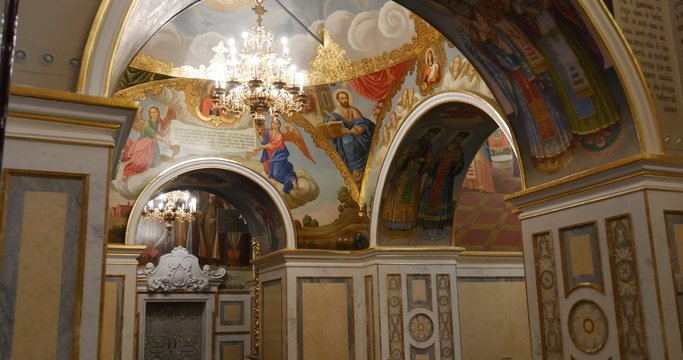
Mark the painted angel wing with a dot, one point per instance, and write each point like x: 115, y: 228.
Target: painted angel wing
x: 166, y: 121
x: 170, y: 114
x: 292, y: 134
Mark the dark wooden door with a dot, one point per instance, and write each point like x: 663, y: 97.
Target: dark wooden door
x: 173, y: 331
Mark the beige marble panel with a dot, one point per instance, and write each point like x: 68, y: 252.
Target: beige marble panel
x: 369, y: 318
x: 272, y: 327
x: 581, y: 255
x: 419, y: 290
x: 494, y: 320
x: 678, y: 238
x: 325, y: 312
x: 39, y: 276
x: 231, y: 312
x: 110, y: 315
x: 231, y: 350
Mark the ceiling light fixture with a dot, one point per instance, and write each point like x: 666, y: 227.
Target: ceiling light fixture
x: 256, y: 80
x: 171, y: 207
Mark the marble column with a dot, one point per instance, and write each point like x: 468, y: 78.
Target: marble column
x: 602, y: 261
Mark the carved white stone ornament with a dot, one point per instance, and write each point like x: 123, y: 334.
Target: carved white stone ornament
x: 179, y: 271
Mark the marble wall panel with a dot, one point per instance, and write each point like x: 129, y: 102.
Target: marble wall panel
x: 112, y: 317
x: 43, y: 257
x: 325, y: 318
x: 272, y: 330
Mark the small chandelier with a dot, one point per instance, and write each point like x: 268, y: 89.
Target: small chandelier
x: 171, y: 207
x: 256, y: 80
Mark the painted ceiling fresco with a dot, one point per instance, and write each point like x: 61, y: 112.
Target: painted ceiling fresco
x: 362, y: 29
x: 551, y: 87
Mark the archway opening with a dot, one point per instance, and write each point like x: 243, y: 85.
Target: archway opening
x: 234, y: 206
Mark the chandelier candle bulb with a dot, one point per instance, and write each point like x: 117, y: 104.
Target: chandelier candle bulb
x: 174, y: 206
x: 300, y: 77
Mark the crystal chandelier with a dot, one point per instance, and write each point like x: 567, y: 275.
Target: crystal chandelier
x: 171, y: 207
x: 256, y: 80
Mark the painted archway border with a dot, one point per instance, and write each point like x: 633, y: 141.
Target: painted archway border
x: 209, y: 163
x: 443, y: 98
x: 104, y: 60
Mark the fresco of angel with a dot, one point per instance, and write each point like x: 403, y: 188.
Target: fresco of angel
x: 275, y: 155
x: 143, y: 153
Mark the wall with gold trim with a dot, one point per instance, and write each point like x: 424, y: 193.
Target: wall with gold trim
x: 52, y: 136
x: 360, y: 301
x: 626, y: 289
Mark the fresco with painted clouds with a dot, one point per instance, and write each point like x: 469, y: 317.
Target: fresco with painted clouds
x: 560, y: 95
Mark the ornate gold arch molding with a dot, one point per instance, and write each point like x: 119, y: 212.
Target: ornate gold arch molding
x: 214, y: 163
x: 640, y: 99
x: 330, y: 63
x: 420, y: 110
x: 120, y: 28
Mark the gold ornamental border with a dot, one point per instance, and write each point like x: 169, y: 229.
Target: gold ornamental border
x: 139, y: 92
x: 65, y: 96
x: 330, y: 63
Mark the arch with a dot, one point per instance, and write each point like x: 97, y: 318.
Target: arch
x: 607, y: 33
x: 210, y: 163
x: 120, y: 29
x: 414, y: 117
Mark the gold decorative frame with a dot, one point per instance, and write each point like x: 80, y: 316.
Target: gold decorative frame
x: 193, y: 89
x: 330, y: 63
x: 198, y: 90
x: 573, y: 281
x: 439, y: 56
x: 139, y: 92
